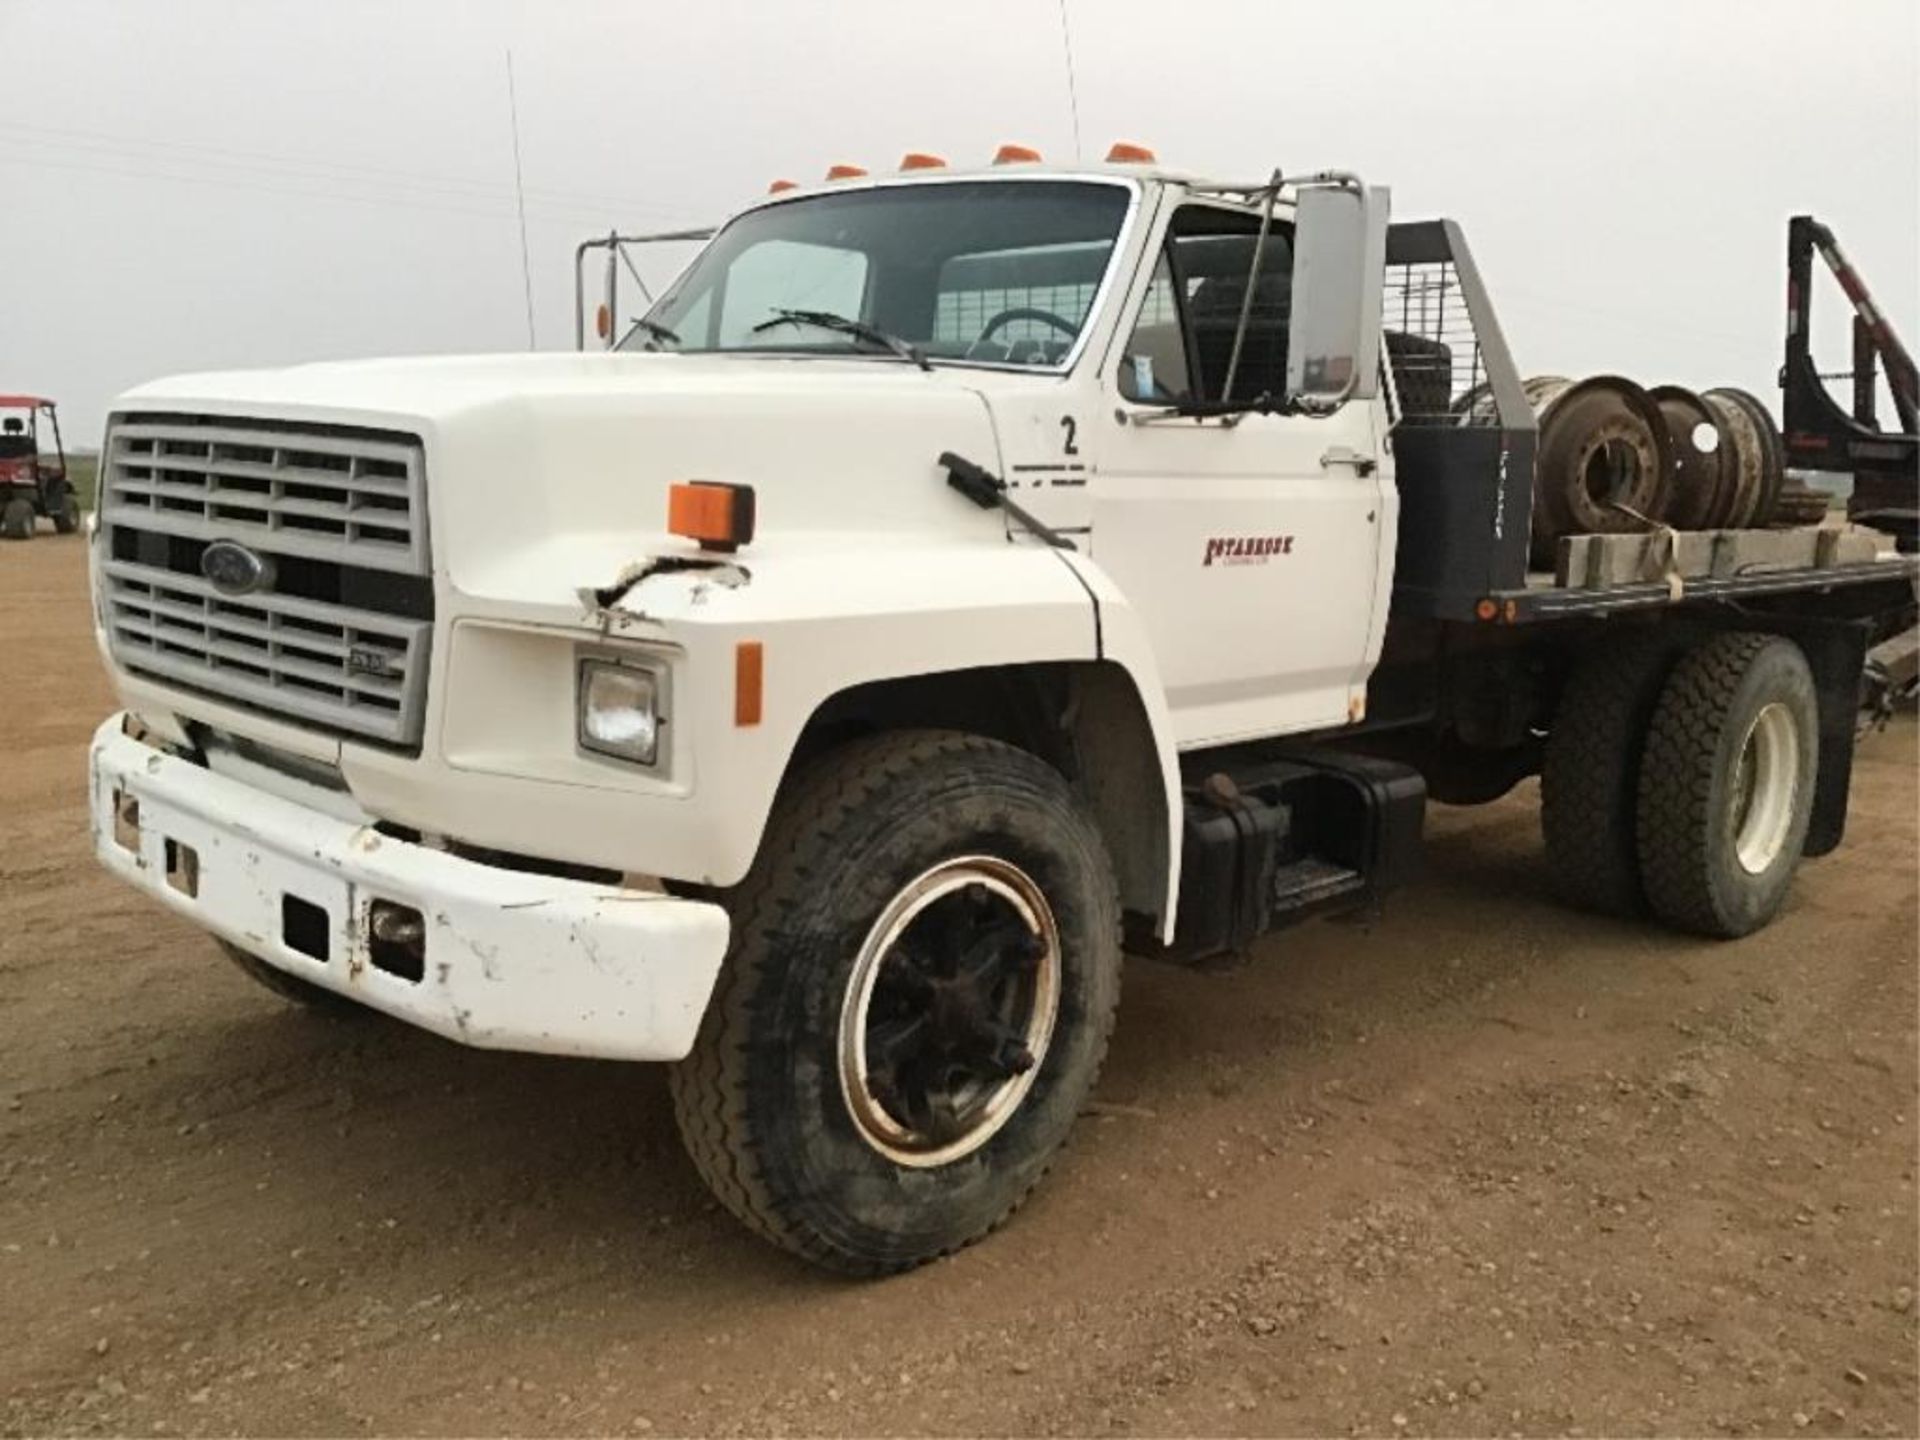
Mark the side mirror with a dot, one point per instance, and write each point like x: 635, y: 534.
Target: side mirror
x: 1339, y: 266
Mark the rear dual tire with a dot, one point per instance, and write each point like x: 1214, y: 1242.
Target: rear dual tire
x: 1726, y: 784
x: 1588, y: 801
x: 1681, y: 782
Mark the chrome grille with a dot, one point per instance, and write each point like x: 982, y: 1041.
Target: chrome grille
x: 293, y: 492
x: 338, y: 637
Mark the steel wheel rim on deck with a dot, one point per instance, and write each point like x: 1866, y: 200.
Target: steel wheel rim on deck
x: 949, y: 1010
x: 1766, y: 780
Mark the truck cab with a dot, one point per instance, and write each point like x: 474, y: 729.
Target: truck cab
x: 952, y: 577
x: 1118, y: 324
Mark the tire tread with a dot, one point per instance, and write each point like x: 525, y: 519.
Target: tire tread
x: 1677, y: 777
x: 709, y: 1091
x: 1587, y: 779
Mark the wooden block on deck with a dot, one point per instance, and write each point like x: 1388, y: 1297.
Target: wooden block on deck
x: 1742, y: 552
x: 1601, y: 562
x: 1604, y: 562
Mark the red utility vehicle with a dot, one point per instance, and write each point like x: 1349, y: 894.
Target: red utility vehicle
x: 33, y: 469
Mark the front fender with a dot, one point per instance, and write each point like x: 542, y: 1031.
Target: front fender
x: 828, y: 619
x: 828, y: 613
x: 1123, y: 642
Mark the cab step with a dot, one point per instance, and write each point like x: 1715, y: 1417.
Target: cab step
x: 1283, y: 835
x: 1310, y: 883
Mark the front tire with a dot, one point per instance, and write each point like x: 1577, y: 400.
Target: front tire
x: 16, y: 519
x: 66, y: 513
x: 291, y: 988
x: 916, y: 1003
x: 1726, y: 785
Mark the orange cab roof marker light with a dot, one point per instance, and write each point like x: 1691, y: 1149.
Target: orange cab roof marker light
x: 1016, y: 155
x: 777, y: 186
x: 921, y: 160
x: 845, y: 172
x: 1125, y: 152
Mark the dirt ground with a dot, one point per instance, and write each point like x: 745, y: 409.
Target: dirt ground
x: 1487, y: 1167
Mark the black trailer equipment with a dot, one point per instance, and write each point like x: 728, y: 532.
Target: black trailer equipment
x: 1820, y: 435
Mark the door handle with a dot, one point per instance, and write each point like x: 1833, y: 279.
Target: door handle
x: 1347, y: 455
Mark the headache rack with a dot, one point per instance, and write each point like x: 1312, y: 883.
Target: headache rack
x: 1463, y: 432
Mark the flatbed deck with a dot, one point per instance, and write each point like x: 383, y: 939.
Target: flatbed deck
x: 1542, y: 598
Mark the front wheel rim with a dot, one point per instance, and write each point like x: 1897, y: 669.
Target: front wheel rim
x: 949, y: 1010
x: 1765, y: 786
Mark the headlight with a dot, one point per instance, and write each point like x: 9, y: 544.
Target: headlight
x: 619, y: 711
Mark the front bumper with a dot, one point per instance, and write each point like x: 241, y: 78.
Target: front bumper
x: 513, y: 961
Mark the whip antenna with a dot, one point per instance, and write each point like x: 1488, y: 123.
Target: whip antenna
x: 520, y: 201
x: 1073, y: 94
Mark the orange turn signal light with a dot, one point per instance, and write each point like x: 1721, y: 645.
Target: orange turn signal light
x: 749, y: 682
x: 845, y: 172
x: 777, y: 186
x: 713, y: 512
x: 1125, y: 152
x: 603, y: 322
x: 1016, y: 155
x: 921, y: 160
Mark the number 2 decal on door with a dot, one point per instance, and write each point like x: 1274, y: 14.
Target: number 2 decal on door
x: 1072, y: 427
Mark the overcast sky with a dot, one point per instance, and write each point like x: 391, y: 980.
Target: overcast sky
x: 192, y: 184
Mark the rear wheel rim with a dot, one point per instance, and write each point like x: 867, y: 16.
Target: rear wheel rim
x: 1766, y: 782
x: 949, y: 1010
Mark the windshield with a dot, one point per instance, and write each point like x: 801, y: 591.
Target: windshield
x: 994, y: 271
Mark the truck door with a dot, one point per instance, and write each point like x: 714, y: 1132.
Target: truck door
x: 1250, y: 545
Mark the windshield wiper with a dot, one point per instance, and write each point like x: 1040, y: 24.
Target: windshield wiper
x: 859, y: 329
x: 653, y: 328
x: 986, y: 489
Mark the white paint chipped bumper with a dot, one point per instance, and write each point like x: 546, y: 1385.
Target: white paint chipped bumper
x: 513, y: 961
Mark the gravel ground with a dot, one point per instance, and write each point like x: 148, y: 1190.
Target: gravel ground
x: 1485, y: 1167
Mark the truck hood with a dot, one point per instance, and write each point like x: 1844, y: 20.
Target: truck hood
x: 443, y: 387
x: 549, y: 472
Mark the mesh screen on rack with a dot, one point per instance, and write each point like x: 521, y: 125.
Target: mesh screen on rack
x: 1433, y: 348
x: 960, y: 318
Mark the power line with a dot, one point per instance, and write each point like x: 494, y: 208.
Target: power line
x: 495, y: 206
x: 255, y: 187
x: 305, y: 167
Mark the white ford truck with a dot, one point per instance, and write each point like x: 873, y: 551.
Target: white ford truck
x: 953, y: 580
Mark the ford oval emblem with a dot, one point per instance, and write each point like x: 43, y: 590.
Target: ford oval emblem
x: 233, y: 569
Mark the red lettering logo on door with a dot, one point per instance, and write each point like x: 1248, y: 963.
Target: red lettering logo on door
x: 1247, y: 549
